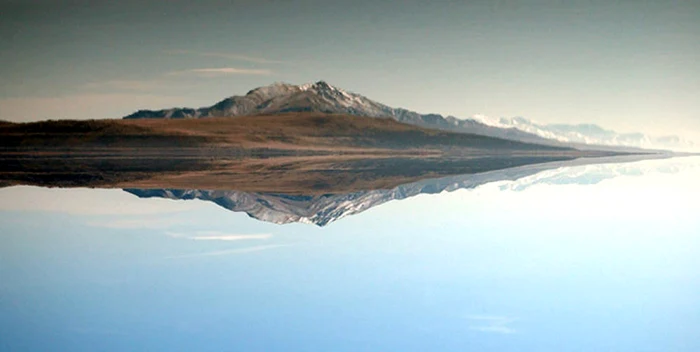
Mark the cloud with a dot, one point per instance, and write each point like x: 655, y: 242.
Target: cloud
x: 222, y: 71
x: 493, y: 329
x: 165, y: 81
x: 238, y: 57
x: 95, y: 331
x: 137, y: 223
x: 491, y: 324
x: 162, y: 82
x: 219, y: 236
x: 135, y: 85
x: 228, y: 252
x: 231, y: 237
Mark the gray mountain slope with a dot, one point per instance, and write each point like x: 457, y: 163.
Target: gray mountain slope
x: 322, y: 97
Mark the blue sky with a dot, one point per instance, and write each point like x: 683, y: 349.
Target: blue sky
x: 627, y: 65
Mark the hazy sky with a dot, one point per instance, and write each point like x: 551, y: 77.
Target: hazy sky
x: 627, y: 65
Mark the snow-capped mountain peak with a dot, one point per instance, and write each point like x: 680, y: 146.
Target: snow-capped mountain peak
x: 486, y: 120
x: 324, y: 98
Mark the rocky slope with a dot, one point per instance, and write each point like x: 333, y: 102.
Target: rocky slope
x: 322, y: 97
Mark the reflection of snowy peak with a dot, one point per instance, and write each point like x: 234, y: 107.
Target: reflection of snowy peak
x: 324, y: 209
x: 585, y: 133
x: 281, y: 208
x: 594, y: 174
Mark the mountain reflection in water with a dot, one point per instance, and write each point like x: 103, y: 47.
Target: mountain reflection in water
x: 323, y: 209
x: 556, y: 257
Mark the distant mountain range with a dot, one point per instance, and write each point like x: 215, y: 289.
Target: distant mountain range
x: 322, y: 97
x: 586, y: 134
x: 323, y: 209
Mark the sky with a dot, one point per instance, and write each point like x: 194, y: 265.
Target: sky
x: 627, y: 65
x: 97, y: 269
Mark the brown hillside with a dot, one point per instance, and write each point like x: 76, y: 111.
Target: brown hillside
x: 288, y: 131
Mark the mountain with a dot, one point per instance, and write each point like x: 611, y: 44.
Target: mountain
x: 321, y: 97
x: 323, y: 209
x: 324, y: 98
x: 586, y: 134
x: 280, y: 98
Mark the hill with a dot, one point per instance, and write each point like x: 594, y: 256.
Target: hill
x: 296, y: 152
x: 283, y: 131
x: 321, y: 97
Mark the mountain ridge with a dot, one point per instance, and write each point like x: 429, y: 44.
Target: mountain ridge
x: 586, y: 133
x: 281, y: 98
x: 322, y: 97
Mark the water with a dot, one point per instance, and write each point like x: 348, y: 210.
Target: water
x: 579, y: 258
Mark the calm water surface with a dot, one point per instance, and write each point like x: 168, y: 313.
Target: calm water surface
x: 588, y: 258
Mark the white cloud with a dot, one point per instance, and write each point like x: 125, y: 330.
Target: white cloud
x: 493, y: 329
x: 137, y: 223
x: 491, y: 324
x: 219, y: 236
x: 134, y: 85
x: 228, y: 252
x: 222, y: 71
x: 161, y: 82
x: 166, y: 81
x: 95, y: 331
x: 239, y: 57
x: 231, y: 237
